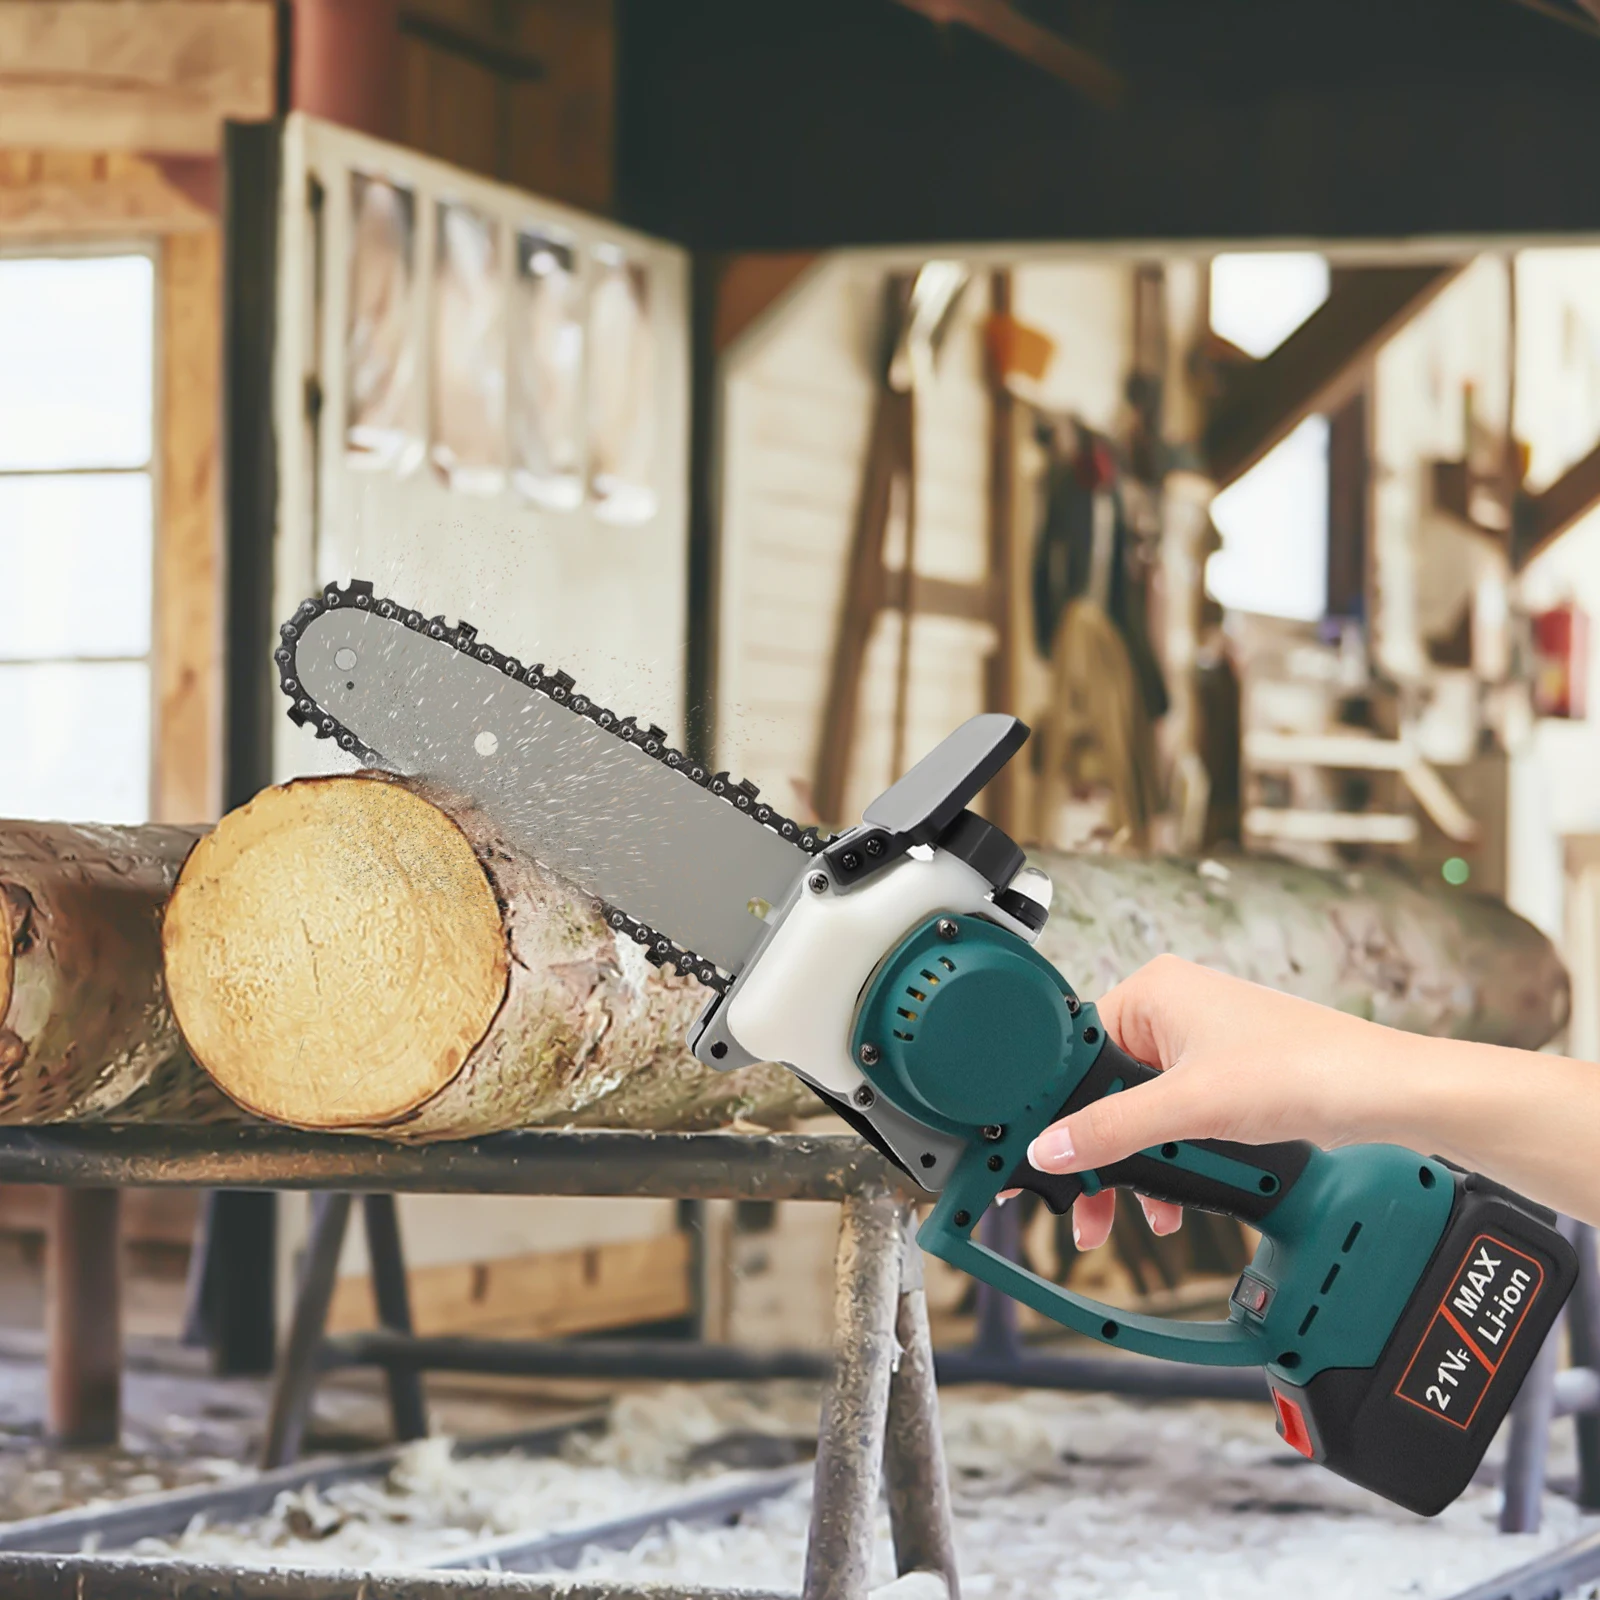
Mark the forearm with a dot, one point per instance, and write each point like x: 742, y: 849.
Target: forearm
x: 1529, y: 1121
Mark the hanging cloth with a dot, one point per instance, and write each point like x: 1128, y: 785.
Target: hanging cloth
x: 1084, y: 550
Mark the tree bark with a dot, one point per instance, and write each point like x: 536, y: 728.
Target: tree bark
x: 369, y: 953
x: 85, y: 1032
x: 1380, y: 942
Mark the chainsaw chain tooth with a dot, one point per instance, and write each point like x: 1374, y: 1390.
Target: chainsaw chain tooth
x: 560, y: 686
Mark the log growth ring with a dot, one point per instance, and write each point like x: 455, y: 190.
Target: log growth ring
x: 336, y: 949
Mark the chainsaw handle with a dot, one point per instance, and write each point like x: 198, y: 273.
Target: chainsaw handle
x: 1237, y: 1180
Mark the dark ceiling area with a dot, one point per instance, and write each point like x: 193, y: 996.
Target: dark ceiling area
x: 754, y: 124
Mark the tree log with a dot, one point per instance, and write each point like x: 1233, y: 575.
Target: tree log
x: 85, y: 1032
x: 1379, y: 942
x: 369, y: 953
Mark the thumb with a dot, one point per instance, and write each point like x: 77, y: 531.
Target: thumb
x: 1118, y: 1125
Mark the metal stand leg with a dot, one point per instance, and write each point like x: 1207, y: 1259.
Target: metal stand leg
x: 1583, y: 1339
x: 297, y: 1372
x: 913, y: 1461
x: 850, y: 1446
x: 1530, y: 1441
x: 407, y: 1404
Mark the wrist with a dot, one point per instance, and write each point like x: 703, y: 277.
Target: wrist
x: 1418, y: 1091
x: 1388, y: 1087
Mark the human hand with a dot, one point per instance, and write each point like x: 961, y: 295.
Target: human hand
x: 1237, y: 1062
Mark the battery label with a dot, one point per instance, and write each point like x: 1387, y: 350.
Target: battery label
x: 1466, y: 1341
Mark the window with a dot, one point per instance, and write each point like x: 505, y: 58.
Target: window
x: 77, y: 405
x: 1259, y: 298
x: 1274, y: 526
x: 1273, y: 519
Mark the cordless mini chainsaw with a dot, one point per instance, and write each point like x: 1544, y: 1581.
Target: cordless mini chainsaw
x: 1395, y: 1301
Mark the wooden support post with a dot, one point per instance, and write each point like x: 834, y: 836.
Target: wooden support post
x: 1318, y: 366
x: 1350, y: 486
x: 83, y: 1281
x: 1000, y: 668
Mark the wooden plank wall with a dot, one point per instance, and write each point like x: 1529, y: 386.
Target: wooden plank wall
x: 540, y: 1295
x: 797, y: 406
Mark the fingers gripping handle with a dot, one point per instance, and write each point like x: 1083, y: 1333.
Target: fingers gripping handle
x: 1245, y: 1181
x: 1239, y: 1180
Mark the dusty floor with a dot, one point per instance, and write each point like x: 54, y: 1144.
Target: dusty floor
x: 1055, y: 1495
x: 1086, y: 1497
x: 1067, y: 1497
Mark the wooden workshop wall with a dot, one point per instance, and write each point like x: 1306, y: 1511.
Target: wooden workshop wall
x: 1424, y: 564
x: 523, y: 92
x: 796, y: 410
x: 1555, y: 776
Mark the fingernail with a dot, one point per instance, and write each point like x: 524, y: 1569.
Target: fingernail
x: 1052, y: 1150
x: 1001, y: 1199
x: 1077, y: 1238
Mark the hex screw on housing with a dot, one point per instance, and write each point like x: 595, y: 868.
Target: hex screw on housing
x: 817, y: 883
x: 870, y: 1055
x: 993, y: 1132
x: 947, y: 928
x: 864, y: 1097
x: 1074, y: 1005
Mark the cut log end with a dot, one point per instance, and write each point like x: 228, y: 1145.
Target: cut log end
x: 335, y: 952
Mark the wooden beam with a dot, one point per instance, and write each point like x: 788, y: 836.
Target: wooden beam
x: 1000, y: 665
x: 80, y: 194
x: 133, y: 74
x: 749, y: 285
x: 1542, y: 518
x: 1319, y: 366
x: 1004, y: 25
x: 188, y: 600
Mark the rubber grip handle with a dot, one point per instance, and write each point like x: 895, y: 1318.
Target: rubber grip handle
x: 1238, y: 1180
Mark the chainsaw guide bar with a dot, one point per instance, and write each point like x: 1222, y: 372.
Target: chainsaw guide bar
x: 648, y: 870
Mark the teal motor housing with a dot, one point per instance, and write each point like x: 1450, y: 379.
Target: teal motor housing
x: 1377, y: 1268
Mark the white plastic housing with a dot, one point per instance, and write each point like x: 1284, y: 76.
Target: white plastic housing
x: 798, y: 1001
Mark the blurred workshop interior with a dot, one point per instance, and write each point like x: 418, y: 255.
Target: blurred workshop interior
x: 1217, y: 389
